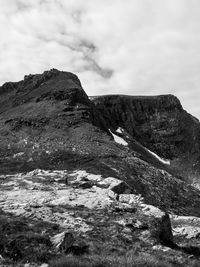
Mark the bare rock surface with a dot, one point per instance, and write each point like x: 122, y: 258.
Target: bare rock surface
x: 82, y: 221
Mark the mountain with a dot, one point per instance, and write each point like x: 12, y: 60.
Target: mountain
x: 114, y: 146
x: 160, y: 124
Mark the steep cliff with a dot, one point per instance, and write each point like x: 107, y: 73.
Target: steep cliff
x: 157, y: 122
x: 160, y: 124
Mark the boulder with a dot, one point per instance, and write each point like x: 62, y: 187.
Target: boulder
x: 161, y: 230
x: 67, y: 243
x: 121, y: 188
x: 78, y: 248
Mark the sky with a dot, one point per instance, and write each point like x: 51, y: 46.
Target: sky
x: 135, y: 47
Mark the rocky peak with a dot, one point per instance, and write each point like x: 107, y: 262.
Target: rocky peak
x: 51, y: 85
x: 46, y: 113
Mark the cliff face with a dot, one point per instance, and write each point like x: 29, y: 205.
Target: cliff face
x: 157, y: 122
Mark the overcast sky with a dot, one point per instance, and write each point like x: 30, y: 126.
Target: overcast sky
x: 115, y: 46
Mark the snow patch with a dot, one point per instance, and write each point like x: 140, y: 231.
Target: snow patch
x: 164, y: 161
x: 120, y: 130
x: 118, y: 139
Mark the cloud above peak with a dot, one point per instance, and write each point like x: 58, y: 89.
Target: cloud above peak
x: 114, y: 46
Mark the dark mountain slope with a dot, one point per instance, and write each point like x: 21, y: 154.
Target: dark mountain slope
x: 49, y: 114
x: 47, y: 121
x: 159, y: 123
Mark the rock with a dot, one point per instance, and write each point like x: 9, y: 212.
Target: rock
x: 121, y: 188
x: 67, y: 243
x: 160, y: 247
x: 131, y: 199
x: 187, y: 231
x: 85, y: 185
x: 161, y: 230
x: 78, y: 248
x: 150, y: 210
x: 66, y: 179
x: 134, y: 224
x: 141, y: 225
x: 198, y: 235
x: 125, y: 208
x: 63, y: 241
x: 186, y: 226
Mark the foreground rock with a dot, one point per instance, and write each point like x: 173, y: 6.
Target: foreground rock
x: 84, y: 221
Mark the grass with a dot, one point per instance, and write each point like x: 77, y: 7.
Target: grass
x: 130, y: 260
x: 22, y: 241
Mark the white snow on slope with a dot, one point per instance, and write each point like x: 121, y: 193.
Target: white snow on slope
x: 167, y: 162
x: 120, y: 130
x: 118, y: 139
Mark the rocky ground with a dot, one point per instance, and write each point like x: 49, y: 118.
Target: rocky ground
x: 48, y: 214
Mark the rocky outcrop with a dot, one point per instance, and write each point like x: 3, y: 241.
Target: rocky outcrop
x: 55, y: 97
x: 161, y: 230
x: 42, y: 218
x: 67, y: 243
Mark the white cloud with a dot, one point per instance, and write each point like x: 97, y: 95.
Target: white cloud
x: 115, y: 46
